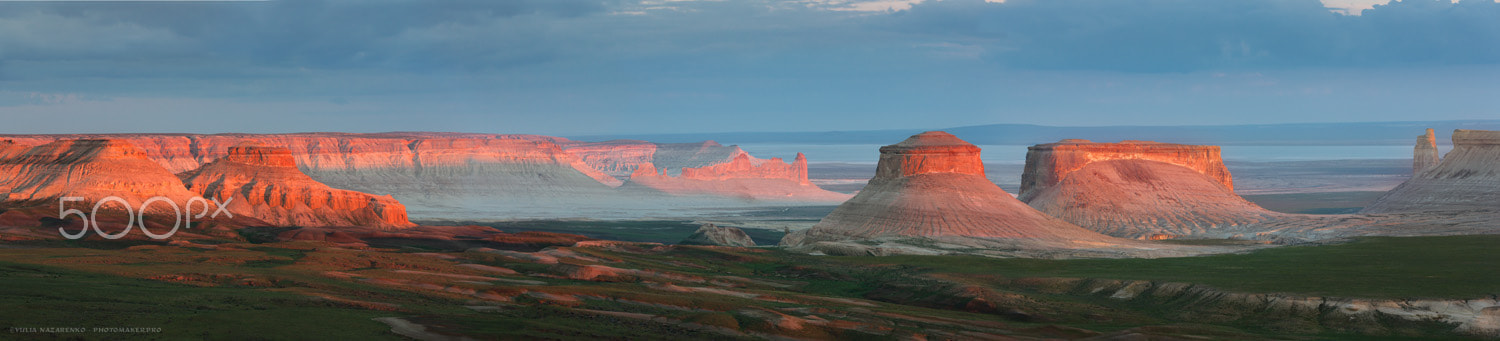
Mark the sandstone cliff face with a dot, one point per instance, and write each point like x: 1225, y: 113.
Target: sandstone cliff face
x: 92, y: 169
x: 1467, y: 179
x: 265, y: 183
x: 1136, y: 189
x: 1048, y: 164
x: 932, y: 185
x: 1425, y: 154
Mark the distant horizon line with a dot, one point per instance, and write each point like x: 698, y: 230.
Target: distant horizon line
x: 586, y: 135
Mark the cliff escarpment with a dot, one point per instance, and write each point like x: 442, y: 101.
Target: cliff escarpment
x: 459, y: 175
x: 1136, y: 189
x: 1467, y: 179
x: 264, y: 182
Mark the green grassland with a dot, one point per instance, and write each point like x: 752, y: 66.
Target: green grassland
x: 654, y: 231
x: 304, y: 290
x: 1457, y: 267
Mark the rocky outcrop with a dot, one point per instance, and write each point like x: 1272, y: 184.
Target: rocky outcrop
x: 264, y: 183
x: 743, y: 177
x: 1048, y: 164
x: 1157, y: 194
x: 1425, y: 154
x: 1467, y: 179
x: 932, y: 185
x: 91, y: 169
x: 709, y: 234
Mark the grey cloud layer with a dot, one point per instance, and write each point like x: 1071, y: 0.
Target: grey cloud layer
x: 1126, y: 35
x: 1188, y: 35
x: 632, y: 64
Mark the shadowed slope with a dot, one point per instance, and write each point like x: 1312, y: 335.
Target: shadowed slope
x: 1143, y: 199
x: 1466, y: 179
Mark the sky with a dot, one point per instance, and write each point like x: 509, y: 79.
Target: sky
x: 576, y: 67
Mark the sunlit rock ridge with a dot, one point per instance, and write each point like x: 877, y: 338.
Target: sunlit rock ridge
x: 932, y: 185
x: 1135, y: 189
x: 448, y: 175
x: 92, y: 169
x: 264, y: 182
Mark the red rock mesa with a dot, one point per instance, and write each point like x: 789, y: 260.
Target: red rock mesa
x: 1135, y: 189
x: 933, y: 185
x: 265, y: 183
x: 1467, y: 179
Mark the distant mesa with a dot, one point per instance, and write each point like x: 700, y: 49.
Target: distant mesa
x: 742, y: 177
x: 1466, y: 179
x: 1135, y: 189
x: 932, y: 185
x: 710, y: 234
x: 702, y: 169
x: 264, y: 183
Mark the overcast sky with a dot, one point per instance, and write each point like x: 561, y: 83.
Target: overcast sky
x: 573, y: 67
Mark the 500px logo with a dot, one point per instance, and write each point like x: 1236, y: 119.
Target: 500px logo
x: 92, y: 218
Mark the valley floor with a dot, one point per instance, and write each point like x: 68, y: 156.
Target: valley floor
x: 1381, y: 287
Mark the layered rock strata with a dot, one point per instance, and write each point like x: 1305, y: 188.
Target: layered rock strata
x: 932, y: 185
x: 90, y: 169
x: 1048, y: 164
x: 457, y: 175
x: 1136, y: 189
x: 264, y: 182
x: 1467, y: 179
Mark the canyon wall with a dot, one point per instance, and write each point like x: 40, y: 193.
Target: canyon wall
x: 264, y: 182
x: 1467, y: 179
x: 1048, y: 164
